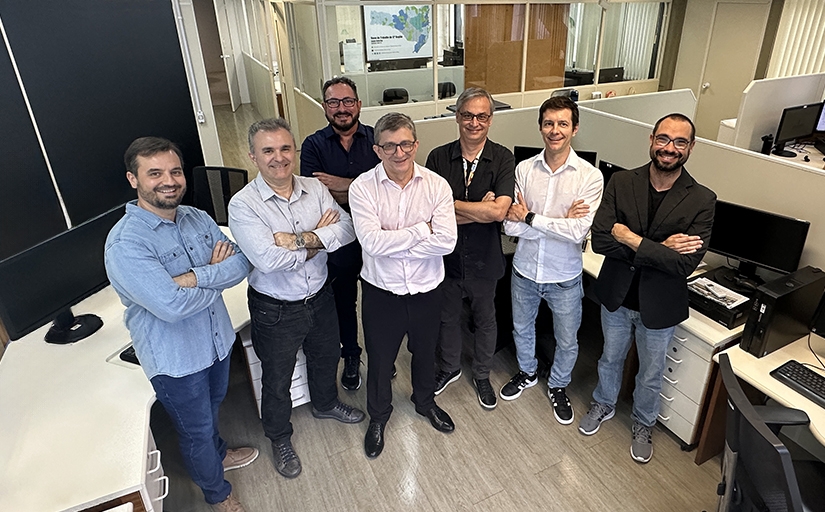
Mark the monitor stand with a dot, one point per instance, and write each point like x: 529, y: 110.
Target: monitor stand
x: 779, y: 150
x: 740, y: 280
x: 68, y: 328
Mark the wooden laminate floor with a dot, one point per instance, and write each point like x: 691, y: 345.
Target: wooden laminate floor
x: 232, y: 132
x: 513, y: 458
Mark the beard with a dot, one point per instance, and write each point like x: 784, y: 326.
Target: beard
x: 343, y: 123
x: 677, y: 164
x: 155, y: 199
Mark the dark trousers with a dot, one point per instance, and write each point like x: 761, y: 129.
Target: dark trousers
x: 192, y: 403
x: 481, y: 294
x: 387, y: 318
x: 345, y: 285
x: 278, y: 331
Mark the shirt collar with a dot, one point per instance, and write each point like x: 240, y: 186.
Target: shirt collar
x: 486, y: 151
x: 151, y: 219
x: 382, y: 173
x: 267, y: 193
x: 329, y: 133
x: 572, y: 163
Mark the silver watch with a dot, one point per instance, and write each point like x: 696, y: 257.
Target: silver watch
x: 300, y: 243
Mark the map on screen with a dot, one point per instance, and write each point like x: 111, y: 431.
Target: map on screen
x: 397, y: 32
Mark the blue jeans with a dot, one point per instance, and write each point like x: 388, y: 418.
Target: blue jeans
x: 278, y: 331
x: 192, y: 403
x: 651, y: 344
x: 565, y: 301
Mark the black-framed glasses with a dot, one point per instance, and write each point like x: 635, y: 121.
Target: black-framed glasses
x: 334, y: 102
x: 664, y: 140
x: 389, y: 148
x: 469, y: 116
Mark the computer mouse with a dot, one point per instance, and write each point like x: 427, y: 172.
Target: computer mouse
x: 806, y: 158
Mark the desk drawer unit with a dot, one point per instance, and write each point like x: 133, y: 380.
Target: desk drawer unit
x: 684, y: 383
x: 299, y: 389
x: 156, y: 484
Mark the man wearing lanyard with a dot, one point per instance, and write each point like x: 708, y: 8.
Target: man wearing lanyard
x: 480, y: 174
x: 557, y: 195
x: 286, y: 224
x: 336, y: 155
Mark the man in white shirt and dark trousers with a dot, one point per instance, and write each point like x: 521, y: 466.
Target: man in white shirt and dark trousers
x: 405, y: 221
x: 557, y: 195
x: 286, y: 224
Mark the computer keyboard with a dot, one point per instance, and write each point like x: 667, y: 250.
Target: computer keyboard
x: 803, y: 380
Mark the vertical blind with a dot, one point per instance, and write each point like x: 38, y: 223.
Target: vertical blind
x: 799, y: 48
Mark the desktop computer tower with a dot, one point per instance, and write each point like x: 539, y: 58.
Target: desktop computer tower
x: 782, y: 311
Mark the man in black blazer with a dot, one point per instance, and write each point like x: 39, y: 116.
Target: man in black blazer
x: 652, y: 227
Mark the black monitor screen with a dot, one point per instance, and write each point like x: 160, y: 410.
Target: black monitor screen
x: 820, y: 125
x: 798, y: 122
x: 39, y: 283
x: 758, y: 238
x: 608, y: 75
x: 608, y: 170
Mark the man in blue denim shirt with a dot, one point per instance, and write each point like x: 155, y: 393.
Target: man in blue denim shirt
x: 169, y: 265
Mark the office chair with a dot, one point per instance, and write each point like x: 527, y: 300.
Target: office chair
x: 446, y: 90
x: 213, y: 187
x: 758, y: 473
x: 395, y: 96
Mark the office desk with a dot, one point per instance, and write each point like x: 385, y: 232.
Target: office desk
x: 814, y: 155
x: 75, y: 419
x: 756, y: 372
x: 690, y: 375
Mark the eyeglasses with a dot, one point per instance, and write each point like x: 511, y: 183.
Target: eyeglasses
x: 468, y: 116
x: 390, y: 147
x: 664, y: 140
x: 334, y: 102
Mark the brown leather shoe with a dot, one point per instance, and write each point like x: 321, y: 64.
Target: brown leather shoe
x: 230, y: 504
x: 239, y: 457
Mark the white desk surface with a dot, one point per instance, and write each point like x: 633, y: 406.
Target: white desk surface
x: 813, y: 154
x: 709, y: 331
x: 756, y: 372
x: 74, y: 426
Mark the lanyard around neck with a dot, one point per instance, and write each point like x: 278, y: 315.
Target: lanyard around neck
x: 468, y: 178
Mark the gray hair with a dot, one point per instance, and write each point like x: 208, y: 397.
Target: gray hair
x: 268, y: 125
x: 471, y: 93
x: 393, y: 122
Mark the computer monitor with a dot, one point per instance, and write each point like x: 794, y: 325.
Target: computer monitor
x: 796, y: 123
x: 608, y: 170
x: 42, y: 283
x: 757, y: 239
x: 608, y: 75
x: 820, y: 124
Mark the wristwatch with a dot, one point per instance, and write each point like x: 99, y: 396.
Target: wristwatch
x: 300, y: 243
x: 528, y: 219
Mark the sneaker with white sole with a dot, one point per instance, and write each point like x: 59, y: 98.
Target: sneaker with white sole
x: 486, y: 395
x: 562, y: 409
x: 443, y: 379
x: 641, y: 445
x: 517, y: 384
x: 597, y: 414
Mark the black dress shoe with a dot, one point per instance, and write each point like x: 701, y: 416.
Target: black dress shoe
x: 374, y: 440
x: 439, y: 419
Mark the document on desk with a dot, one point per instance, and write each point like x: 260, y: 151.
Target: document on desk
x: 716, y: 292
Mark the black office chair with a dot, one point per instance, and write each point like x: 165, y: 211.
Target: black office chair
x: 758, y: 473
x: 446, y: 90
x: 395, y: 96
x: 213, y: 187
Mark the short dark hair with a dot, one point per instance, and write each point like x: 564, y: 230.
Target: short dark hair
x: 146, y: 147
x: 393, y: 122
x: 677, y: 117
x: 268, y: 125
x: 471, y: 93
x: 339, y: 80
x: 560, y: 103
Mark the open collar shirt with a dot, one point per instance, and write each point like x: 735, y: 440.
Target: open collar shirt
x: 550, y: 251
x: 400, y: 253
x: 256, y: 212
x: 175, y: 331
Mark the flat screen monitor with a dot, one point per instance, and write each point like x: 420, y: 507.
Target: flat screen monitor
x: 608, y: 75
x: 796, y: 123
x: 820, y: 124
x: 608, y: 170
x: 45, y: 281
x: 757, y: 239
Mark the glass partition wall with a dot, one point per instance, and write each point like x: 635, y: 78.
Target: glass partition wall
x: 423, y: 52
